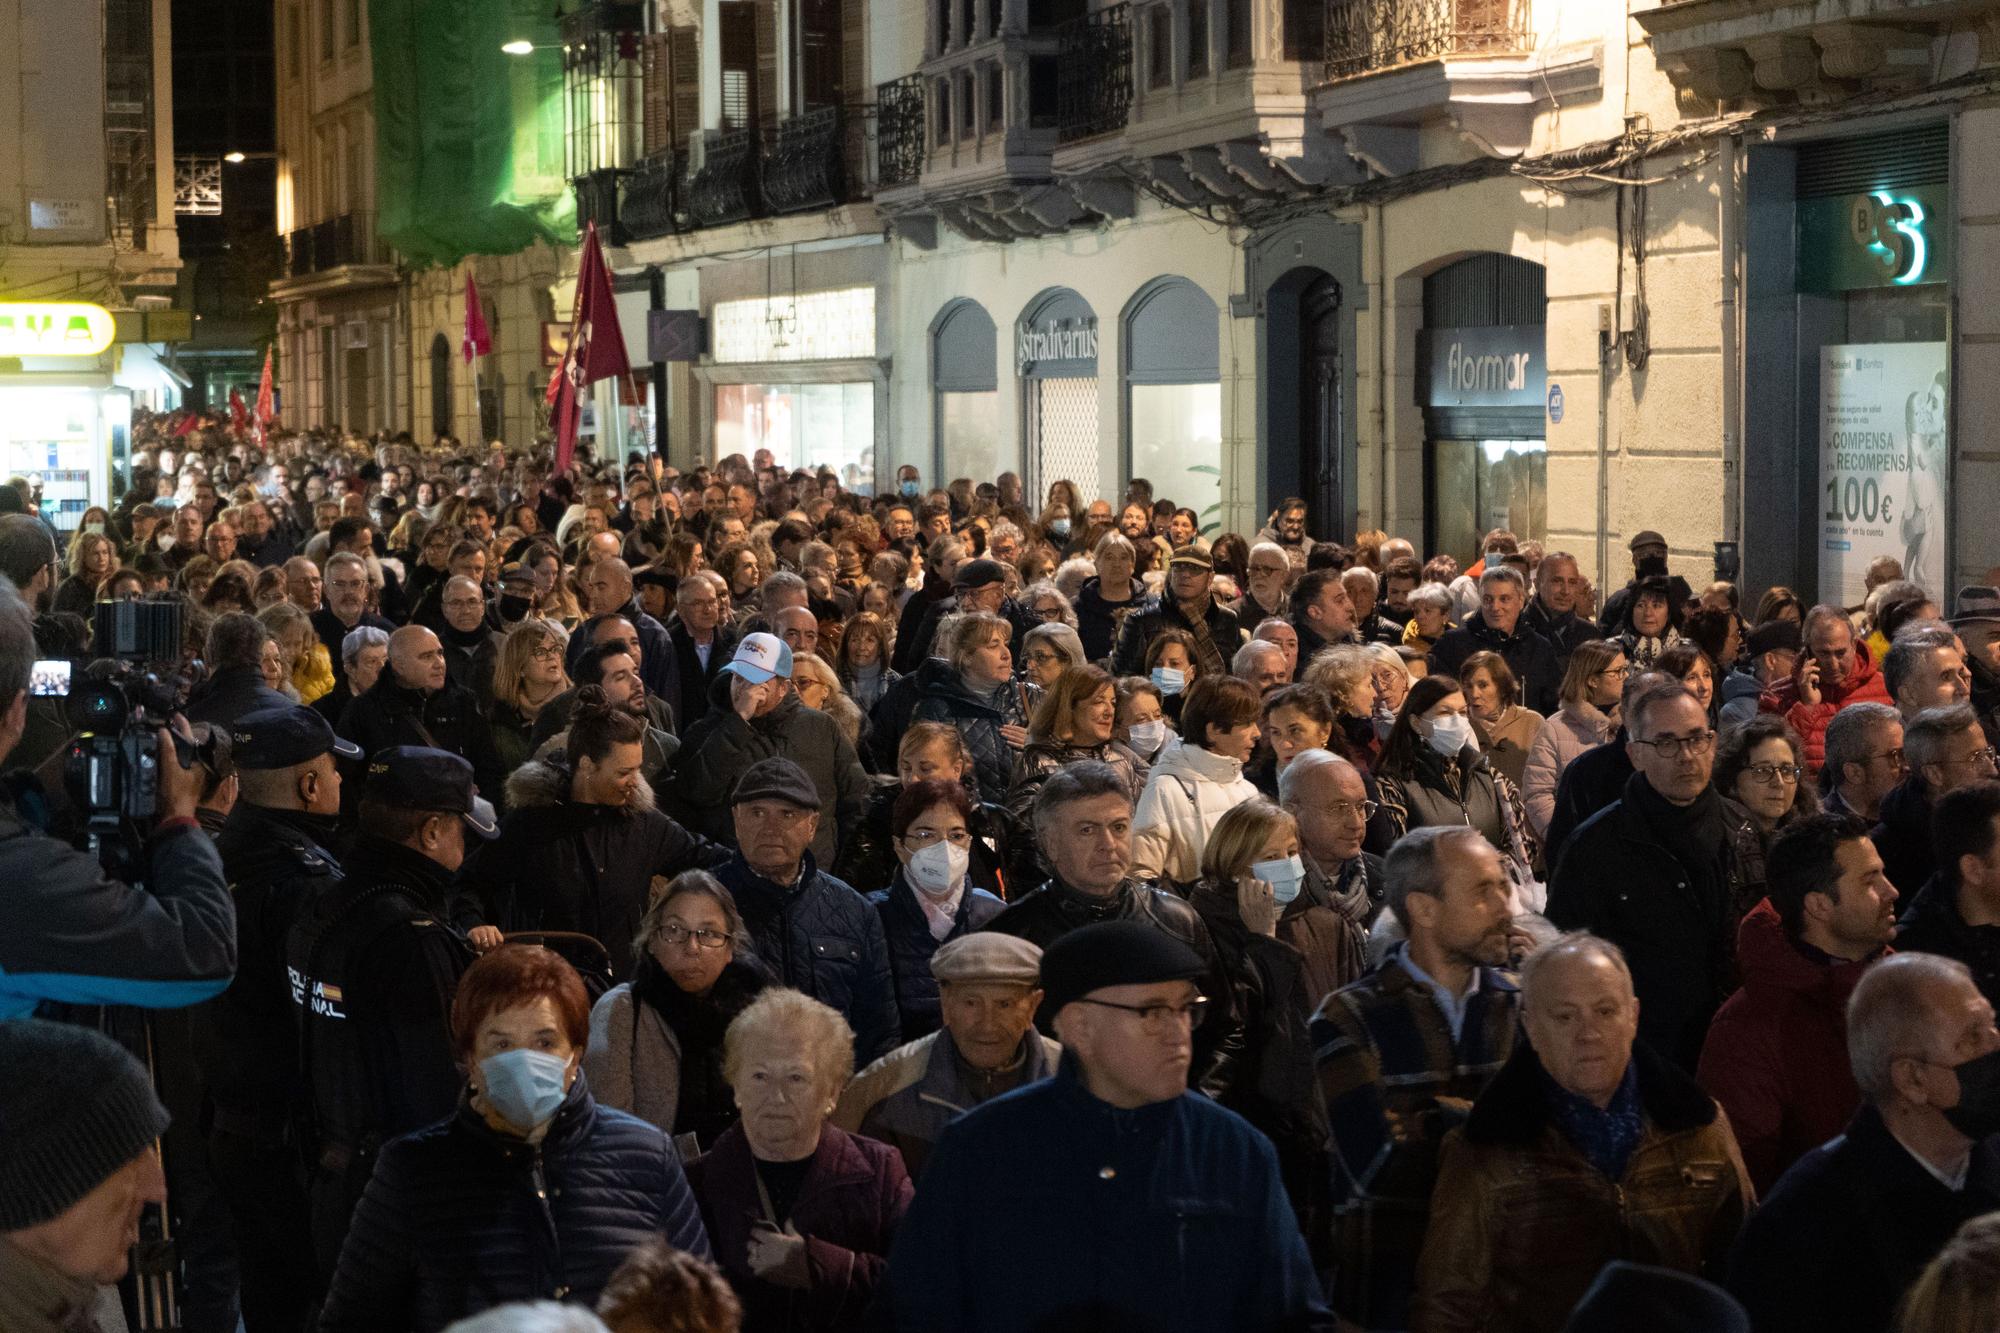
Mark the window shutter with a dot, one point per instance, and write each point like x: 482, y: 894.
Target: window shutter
x: 658, y: 95
x: 686, y: 62
x: 765, y: 113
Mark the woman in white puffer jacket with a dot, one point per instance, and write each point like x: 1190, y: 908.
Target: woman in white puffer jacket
x: 1196, y: 780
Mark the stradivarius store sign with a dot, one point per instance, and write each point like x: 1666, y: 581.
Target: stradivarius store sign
x: 1063, y: 345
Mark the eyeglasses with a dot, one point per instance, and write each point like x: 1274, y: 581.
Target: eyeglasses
x: 1046, y: 613
x: 675, y: 933
x: 1348, y: 809
x: 548, y: 652
x: 1270, y: 569
x: 1042, y: 657
x: 1770, y: 773
x: 930, y: 837
x: 1161, y: 1018
x: 1895, y: 758
x: 1669, y: 746
x: 1988, y: 756
x: 464, y: 603
x: 1616, y: 673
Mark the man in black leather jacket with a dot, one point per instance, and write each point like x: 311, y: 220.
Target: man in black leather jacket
x: 1083, y: 824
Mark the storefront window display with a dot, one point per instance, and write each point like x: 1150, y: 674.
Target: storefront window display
x: 1174, y: 395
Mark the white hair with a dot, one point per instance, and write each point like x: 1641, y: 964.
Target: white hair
x: 531, y: 1317
x: 359, y: 638
x: 1892, y: 1009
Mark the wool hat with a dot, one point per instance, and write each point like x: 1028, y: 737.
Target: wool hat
x: 1640, y: 1298
x: 1111, y: 953
x: 987, y: 955
x: 776, y: 779
x: 85, y: 1111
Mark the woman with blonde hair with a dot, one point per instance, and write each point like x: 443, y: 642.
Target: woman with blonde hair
x: 1346, y: 672
x: 1075, y: 721
x: 799, y: 1212
x: 92, y: 559
x: 527, y: 674
x: 1959, y: 1292
x: 981, y: 699
x: 818, y: 686
x: 308, y: 665
x: 1251, y: 870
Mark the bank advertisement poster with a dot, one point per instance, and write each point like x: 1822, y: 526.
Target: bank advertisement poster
x: 1883, y: 457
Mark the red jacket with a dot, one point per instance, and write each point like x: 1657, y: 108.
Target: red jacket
x: 1863, y: 685
x: 1776, y: 1054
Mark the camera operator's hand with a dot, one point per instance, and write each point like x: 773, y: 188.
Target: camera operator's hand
x: 180, y: 787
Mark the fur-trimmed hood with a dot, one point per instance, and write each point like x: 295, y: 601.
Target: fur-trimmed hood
x: 544, y: 783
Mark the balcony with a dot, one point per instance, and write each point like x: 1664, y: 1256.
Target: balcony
x: 651, y: 205
x: 335, y: 253
x: 1753, y: 53
x: 1368, y: 36
x: 805, y: 162
x: 1094, y: 74
x: 725, y: 189
x: 899, y: 132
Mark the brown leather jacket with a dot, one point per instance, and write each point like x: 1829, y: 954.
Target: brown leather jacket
x: 1521, y: 1222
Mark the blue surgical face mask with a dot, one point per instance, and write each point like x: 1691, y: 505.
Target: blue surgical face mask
x: 1285, y: 877
x: 1059, y: 528
x: 1167, y: 680
x: 526, y: 1088
x: 909, y: 490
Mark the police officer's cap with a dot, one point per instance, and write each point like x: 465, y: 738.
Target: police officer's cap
x: 426, y: 779
x: 282, y: 737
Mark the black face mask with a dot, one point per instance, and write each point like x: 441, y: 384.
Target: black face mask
x: 513, y: 608
x: 1977, y: 1114
x: 1648, y: 566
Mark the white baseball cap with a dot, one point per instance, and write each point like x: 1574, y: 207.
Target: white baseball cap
x: 760, y: 657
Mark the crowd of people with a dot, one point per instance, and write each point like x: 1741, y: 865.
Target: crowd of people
x: 719, y: 899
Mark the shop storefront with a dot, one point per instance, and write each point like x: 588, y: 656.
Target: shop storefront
x: 965, y: 396
x: 1850, y: 261
x: 1056, y: 359
x: 1173, y: 395
x: 64, y: 420
x: 1482, y: 385
x: 798, y: 375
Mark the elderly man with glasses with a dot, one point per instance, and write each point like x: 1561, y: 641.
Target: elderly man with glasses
x: 1666, y: 872
x: 1945, y: 749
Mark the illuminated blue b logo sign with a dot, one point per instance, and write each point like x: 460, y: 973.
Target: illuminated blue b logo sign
x: 1892, y: 231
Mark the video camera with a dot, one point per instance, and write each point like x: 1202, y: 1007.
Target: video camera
x: 112, y: 770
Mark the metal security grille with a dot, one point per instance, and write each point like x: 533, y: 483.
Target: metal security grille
x: 1066, y: 433
x: 1895, y: 161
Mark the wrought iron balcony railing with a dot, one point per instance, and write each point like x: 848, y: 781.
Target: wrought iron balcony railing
x: 899, y: 131
x: 725, y: 189
x: 805, y: 162
x: 1364, y: 36
x: 1094, y: 74
x: 651, y: 205
x: 597, y: 201
x: 347, y: 239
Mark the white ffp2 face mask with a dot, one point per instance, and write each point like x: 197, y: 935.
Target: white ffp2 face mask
x: 1452, y: 733
x: 1147, y: 737
x: 939, y: 869
x: 1285, y: 877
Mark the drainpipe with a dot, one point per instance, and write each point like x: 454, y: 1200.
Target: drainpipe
x: 1728, y: 225
x: 1607, y: 351
x: 1384, y: 454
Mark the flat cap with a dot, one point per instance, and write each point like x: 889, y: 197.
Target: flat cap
x: 987, y: 955
x: 1644, y: 539
x: 1111, y: 953
x: 1780, y: 635
x: 776, y: 779
x: 1191, y: 555
x: 281, y: 737
x: 978, y: 574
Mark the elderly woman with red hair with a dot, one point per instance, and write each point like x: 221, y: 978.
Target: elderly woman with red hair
x: 532, y: 1191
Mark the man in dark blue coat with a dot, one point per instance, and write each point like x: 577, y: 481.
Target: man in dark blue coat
x: 1121, y: 1199
x: 815, y: 932
x: 1497, y: 627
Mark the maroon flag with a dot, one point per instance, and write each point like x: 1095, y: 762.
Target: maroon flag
x: 239, y: 415
x: 478, y: 339
x: 596, y: 347
x: 266, y: 400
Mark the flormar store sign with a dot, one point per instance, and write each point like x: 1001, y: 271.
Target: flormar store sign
x: 1499, y: 366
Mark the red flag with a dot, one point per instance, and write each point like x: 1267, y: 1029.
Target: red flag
x: 239, y: 415
x: 186, y: 428
x: 477, y: 339
x: 596, y: 347
x: 266, y: 402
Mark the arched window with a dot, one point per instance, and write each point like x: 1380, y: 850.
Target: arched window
x: 1056, y: 353
x: 965, y: 379
x: 1173, y: 395
x: 441, y: 410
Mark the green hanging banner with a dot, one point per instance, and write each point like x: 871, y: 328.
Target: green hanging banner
x: 468, y: 139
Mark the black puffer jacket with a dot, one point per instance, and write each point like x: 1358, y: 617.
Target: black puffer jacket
x: 563, y: 864
x: 823, y: 938
x: 1098, y: 620
x: 978, y: 717
x: 459, y: 1218
x: 1144, y: 624
x: 911, y: 945
x: 892, y: 713
x: 390, y: 714
x: 717, y: 751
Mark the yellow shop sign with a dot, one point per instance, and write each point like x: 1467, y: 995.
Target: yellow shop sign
x: 54, y: 328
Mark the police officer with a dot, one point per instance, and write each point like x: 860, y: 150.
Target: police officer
x: 374, y: 962
x: 274, y: 854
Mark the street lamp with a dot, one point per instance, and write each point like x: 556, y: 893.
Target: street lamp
x: 233, y: 158
x: 518, y: 47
